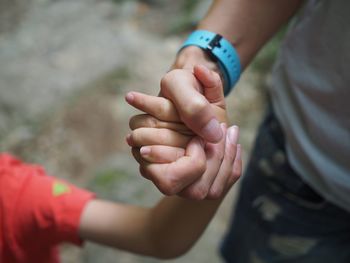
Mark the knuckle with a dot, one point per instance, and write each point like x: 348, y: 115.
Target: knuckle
x: 151, y: 122
x: 179, y: 153
x: 236, y: 173
x: 167, y: 79
x: 168, y: 186
x: 199, y: 165
x: 215, y: 193
x: 199, y: 193
x: 196, y: 106
x: 162, y: 110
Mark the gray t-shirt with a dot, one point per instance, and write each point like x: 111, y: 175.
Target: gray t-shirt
x: 311, y: 97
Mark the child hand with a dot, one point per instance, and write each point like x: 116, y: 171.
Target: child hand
x: 205, y: 172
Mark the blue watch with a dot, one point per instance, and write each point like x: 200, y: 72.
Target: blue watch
x: 221, y: 50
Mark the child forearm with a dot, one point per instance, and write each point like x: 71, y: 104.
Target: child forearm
x: 165, y: 231
x: 117, y: 225
x: 176, y: 224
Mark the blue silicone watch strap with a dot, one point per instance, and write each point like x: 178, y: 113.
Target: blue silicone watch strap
x: 221, y: 50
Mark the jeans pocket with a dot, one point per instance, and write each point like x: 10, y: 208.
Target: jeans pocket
x: 295, y: 190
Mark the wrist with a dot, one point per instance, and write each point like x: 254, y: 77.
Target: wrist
x: 190, y: 56
x: 221, y: 51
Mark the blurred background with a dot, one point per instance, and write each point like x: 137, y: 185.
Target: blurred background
x: 65, y: 67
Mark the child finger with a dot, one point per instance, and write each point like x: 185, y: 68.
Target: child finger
x: 159, y: 107
x: 172, y: 178
x: 136, y: 153
x: 152, y: 136
x: 148, y: 121
x: 142, y: 163
x: 161, y: 153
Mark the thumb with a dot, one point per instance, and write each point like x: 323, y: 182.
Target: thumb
x: 212, y: 85
x: 182, y: 88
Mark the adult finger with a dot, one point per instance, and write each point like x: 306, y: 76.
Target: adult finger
x: 212, y: 85
x: 200, y: 188
x: 218, y: 187
x: 182, y: 88
x: 212, y: 90
x: 159, y: 107
x: 237, y: 168
x: 152, y: 136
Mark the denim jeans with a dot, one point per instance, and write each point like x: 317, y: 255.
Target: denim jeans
x: 279, y: 218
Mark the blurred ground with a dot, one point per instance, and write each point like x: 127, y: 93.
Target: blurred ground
x: 65, y: 67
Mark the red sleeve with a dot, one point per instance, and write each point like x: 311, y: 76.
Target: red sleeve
x: 39, y: 206
x: 55, y: 207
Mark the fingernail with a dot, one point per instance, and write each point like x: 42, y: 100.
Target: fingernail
x: 212, y: 131
x: 144, y: 151
x: 233, y: 134
x: 129, y: 97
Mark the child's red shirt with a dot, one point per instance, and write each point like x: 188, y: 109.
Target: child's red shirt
x: 37, y: 212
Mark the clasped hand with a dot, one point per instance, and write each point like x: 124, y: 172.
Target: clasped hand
x: 179, y: 143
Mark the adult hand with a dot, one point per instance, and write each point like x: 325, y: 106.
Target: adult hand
x: 187, y: 177
x: 192, y: 102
